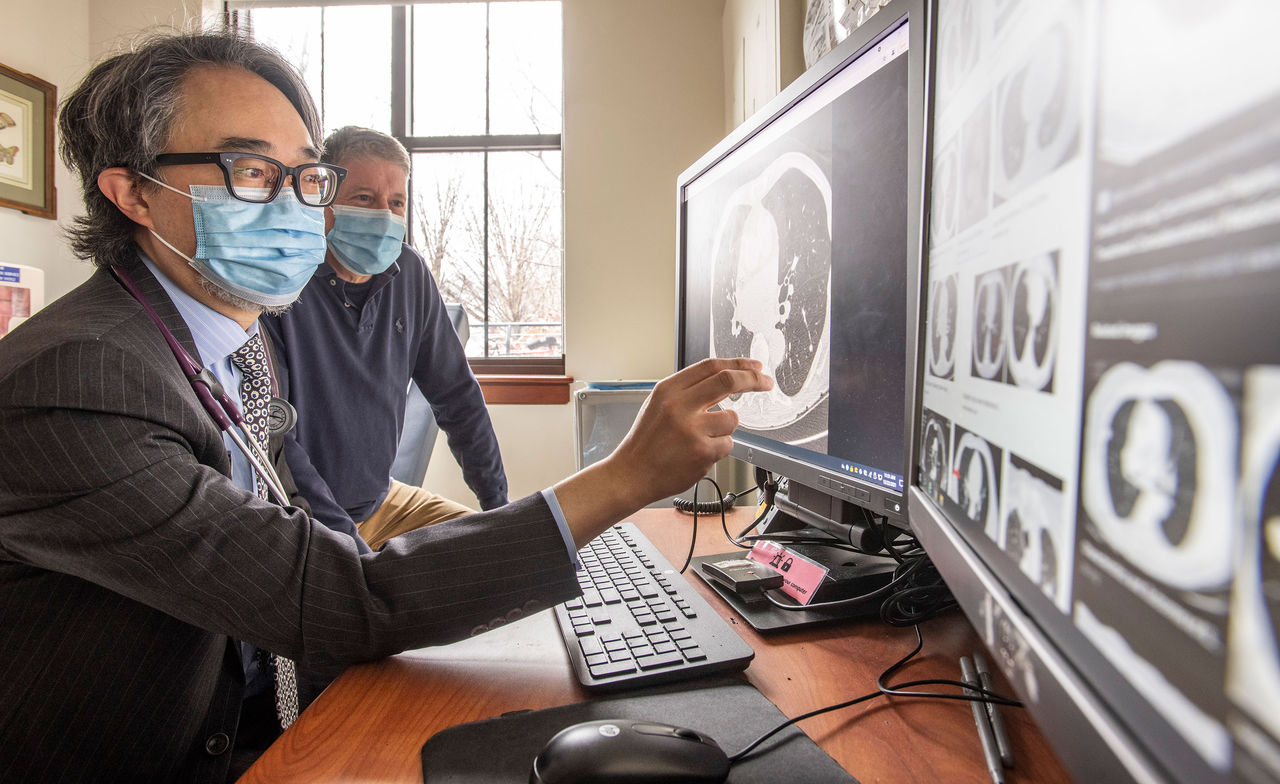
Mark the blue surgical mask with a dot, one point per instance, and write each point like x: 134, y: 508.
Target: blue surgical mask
x: 264, y: 253
x: 365, y: 241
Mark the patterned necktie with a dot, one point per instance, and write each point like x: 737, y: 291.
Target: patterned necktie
x: 255, y: 393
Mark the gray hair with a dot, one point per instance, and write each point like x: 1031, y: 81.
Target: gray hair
x: 123, y: 113
x: 352, y: 142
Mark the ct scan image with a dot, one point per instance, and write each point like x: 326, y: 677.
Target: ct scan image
x: 975, y: 166
x: 943, y: 301
x: 961, y: 37
x: 990, y: 300
x: 1157, y: 475
x: 975, y: 481
x: 771, y: 296
x: 1038, y: 110
x: 1253, y: 665
x: 944, y: 220
x: 1033, y: 323
x: 935, y: 455
x: 1035, y: 531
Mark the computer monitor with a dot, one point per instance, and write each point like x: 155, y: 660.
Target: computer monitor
x: 1099, y: 378
x: 799, y: 242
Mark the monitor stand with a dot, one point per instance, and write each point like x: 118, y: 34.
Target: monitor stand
x: 850, y: 574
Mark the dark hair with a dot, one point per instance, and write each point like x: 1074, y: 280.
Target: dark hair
x: 123, y: 112
x: 352, y: 141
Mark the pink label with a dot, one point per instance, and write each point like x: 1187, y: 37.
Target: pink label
x: 800, y: 576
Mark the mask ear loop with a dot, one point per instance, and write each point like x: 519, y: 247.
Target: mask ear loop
x: 170, y: 187
x: 190, y: 261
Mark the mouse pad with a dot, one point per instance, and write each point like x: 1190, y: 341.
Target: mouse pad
x: 734, y: 713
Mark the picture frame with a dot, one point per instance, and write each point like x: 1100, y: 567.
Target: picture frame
x: 27, y: 109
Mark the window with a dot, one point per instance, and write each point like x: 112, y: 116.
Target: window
x: 473, y: 91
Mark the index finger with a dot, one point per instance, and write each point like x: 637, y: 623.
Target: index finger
x: 701, y: 371
x: 728, y: 381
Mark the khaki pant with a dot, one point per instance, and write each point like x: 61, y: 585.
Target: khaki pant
x: 407, y: 508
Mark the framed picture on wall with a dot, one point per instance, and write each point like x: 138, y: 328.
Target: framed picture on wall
x: 27, y: 107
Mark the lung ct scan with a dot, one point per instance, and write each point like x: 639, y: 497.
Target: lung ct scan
x: 1157, y: 470
x: 771, y: 296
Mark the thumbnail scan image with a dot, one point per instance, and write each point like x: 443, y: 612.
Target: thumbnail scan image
x: 1035, y: 532
x: 975, y: 481
x: 975, y: 166
x: 944, y: 218
x: 771, y: 296
x: 943, y: 301
x: 1038, y: 110
x: 1253, y: 668
x: 1033, y: 323
x: 935, y: 455
x: 990, y: 299
x: 1157, y: 478
x: 960, y: 44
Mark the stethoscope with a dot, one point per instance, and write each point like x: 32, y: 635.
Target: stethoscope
x: 280, y: 415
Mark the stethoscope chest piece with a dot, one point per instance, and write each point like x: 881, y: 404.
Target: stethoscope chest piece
x: 281, y: 416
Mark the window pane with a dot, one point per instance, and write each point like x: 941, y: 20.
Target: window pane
x: 525, y: 67
x: 448, y: 189
x: 448, y: 69
x: 296, y: 34
x: 525, y: 206
x: 357, y: 67
x: 344, y: 54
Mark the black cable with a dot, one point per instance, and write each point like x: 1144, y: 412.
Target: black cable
x: 926, y: 596
x: 708, y: 507
x: 694, y: 539
x: 901, y: 575
x: 764, y: 508
x: 980, y: 695
x: 788, y: 537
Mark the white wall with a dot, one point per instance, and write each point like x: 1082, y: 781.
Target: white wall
x: 644, y: 97
x: 57, y: 41
x: 49, y: 40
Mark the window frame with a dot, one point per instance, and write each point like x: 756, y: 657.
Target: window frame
x: 548, y: 367
x: 401, y: 123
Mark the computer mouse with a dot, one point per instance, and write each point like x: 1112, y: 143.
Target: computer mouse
x: 624, y: 751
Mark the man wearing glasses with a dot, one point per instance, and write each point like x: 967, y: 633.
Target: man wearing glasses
x: 144, y: 550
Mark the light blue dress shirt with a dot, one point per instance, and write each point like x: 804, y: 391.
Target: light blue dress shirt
x: 216, y: 337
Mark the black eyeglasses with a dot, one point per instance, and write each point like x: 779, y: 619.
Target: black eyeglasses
x: 257, y: 178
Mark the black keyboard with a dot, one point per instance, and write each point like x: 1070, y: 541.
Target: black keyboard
x: 640, y: 622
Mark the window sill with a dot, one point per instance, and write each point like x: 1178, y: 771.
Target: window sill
x: 524, y: 390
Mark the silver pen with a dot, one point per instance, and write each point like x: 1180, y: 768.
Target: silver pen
x: 980, y: 717
x: 993, y: 711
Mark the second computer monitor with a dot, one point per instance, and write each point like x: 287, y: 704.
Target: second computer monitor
x: 799, y: 247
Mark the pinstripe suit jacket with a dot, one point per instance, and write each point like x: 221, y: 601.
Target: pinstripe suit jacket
x: 129, y: 562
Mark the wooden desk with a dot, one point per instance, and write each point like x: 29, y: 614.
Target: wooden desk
x: 369, y: 725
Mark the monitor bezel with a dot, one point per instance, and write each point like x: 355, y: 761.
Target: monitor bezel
x: 876, y: 498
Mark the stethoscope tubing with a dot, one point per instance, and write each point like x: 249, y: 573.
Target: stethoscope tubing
x: 224, y: 411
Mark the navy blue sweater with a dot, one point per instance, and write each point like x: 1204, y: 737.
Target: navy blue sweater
x: 349, y: 366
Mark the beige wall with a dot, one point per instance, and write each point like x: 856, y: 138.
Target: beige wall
x: 644, y: 96
x: 49, y: 40
x: 58, y: 40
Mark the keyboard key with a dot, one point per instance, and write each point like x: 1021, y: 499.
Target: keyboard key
x: 659, y: 660
x: 608, y: 669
